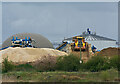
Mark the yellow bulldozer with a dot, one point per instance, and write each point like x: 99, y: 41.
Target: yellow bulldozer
x: 79, y: 42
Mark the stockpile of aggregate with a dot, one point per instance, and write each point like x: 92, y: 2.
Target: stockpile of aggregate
x: 36, y: 56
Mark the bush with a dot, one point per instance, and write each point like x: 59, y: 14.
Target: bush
x: 68, y: 63
x: 97, y: 63
x: 114, y: 62
x: 24, y: 67
x: 7, y: 66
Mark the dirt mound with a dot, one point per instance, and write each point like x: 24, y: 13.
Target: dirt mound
x: 109, y: 52
x: 34, y: 56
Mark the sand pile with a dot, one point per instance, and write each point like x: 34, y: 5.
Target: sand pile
x: 109, y: 52
x: 26, y: 55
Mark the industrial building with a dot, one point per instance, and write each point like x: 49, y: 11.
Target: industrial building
x: 39, y: 40
x: 99, y: 42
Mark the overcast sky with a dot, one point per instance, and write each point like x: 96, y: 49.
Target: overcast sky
x: 0, y: 22
x: 56, y: 20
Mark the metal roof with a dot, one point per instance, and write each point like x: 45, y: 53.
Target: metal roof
x: 93, y: 37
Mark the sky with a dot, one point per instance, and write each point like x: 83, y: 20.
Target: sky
x: 0, y: 22
x: 56, y: 20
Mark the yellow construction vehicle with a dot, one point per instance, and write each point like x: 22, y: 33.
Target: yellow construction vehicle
x: 79, y: 42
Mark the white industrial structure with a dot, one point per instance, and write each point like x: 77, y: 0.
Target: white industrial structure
x: 98, y: 41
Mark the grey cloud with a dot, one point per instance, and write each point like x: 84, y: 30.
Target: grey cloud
x: 58, y: 20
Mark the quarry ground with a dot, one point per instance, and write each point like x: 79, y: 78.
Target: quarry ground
x: 60, y: 76
x: 55, y: 76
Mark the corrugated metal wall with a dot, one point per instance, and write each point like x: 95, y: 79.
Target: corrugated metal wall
x: 102, y: 44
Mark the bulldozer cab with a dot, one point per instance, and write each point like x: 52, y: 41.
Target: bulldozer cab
x: 79, y: 41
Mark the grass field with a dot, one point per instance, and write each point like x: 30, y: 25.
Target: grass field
x: 97, y: 69
x: 60, y: 76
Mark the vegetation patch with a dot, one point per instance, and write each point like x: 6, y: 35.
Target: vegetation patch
x: 114, y: 62
x: 7, y: 66
x: 68, y: 63
x: 24, y: 67
x: 97, y: 63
